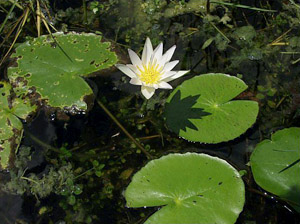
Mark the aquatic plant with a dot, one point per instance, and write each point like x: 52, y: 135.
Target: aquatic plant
x: 191, y: 188
x: 153, y: 70
x: 12, y: 109
x: 256, y: 41
x: 212, y: 116
x: 39, y: 12
x: 53, y: 68
x: 275, y: 165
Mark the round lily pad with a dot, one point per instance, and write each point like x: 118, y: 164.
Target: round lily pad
x: 54, y: 68
x: 201, y: 109
x: 11, y: 128
x: 275, y: 165
x: 191, y: 188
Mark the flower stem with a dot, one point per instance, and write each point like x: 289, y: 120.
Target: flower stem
x: 124, y: 130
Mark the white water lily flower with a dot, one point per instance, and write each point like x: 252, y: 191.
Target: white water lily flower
x: 153, y: 71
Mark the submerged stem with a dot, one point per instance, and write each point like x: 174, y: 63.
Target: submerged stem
x: 41, y: 143
x: 30, y: 180
x: 84, y: 12
x: 80, y: 175
x: 123, y: 129
x: 243, y: 6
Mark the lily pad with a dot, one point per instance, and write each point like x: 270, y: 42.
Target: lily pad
x: 275, y: 165
x: 11, y: 128
x: 201, y: 109
x: 54, y: 69
x: 191, y: 188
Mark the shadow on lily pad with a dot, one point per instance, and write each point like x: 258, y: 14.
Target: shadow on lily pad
x: 179, y: 112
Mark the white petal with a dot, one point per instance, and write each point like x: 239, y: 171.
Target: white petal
x: 168, y: 74
x: 179, y: 74
x: 133, y: 68
x: 169, y: 66
x: 136, y: 61
x: 168, y: 55
x: 126, y: 70
x: 176, y: 76
x: 164, y: 85
x: 147, y: 52
x: 135, y: 81
x: 147, y: 91
x: 157, y: 53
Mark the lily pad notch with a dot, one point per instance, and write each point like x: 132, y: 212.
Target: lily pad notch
x: 208, y: 112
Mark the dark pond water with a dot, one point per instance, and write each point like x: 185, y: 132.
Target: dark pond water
x: 57, y: 139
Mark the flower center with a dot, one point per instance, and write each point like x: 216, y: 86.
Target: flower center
x: 150, y: 73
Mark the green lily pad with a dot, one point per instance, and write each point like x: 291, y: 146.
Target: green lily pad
x: 191, y: 188
x: 11, y: 128
x: 55, y: 69
x: 201, y: 109
x: 275, y: 165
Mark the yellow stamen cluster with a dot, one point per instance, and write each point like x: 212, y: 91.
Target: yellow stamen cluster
x: 151, y: 73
